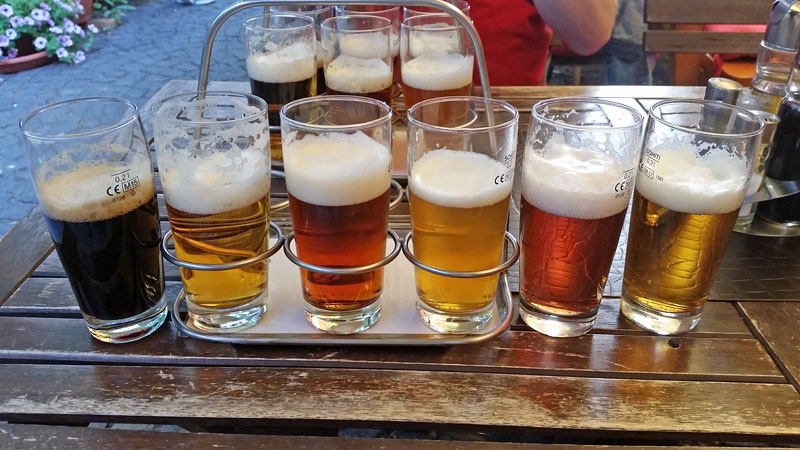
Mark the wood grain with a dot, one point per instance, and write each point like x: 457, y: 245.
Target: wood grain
x: 707, y: 11
x: 682, y: 41
x: 47, y: 340
x: 41, y: 437
x: 777, y: 324
x: 21, y: 250
x: 403, y: 399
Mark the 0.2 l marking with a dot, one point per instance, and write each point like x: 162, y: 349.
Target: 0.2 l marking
x: 123, y: 182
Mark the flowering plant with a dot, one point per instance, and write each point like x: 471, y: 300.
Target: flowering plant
x: 48, y: 23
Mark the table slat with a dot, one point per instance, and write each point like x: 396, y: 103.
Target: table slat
x: 777, y: 324
x: 21, y: 250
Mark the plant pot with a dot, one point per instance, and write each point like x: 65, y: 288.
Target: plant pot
x: 25, y: 62
x: 88, y: 6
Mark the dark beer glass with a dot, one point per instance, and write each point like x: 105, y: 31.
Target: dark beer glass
x: 93, y: 176
x: 318, y: 13
x: 280, y: 50
x: 577, y: 177
x: 338, y: 172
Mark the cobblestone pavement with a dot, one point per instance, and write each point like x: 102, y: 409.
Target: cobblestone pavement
x: 159, y: 41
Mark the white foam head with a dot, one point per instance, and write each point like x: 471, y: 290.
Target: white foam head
x: 714, y: 184
x: 86, y: 192
x: 574, y: 182
x: 365, y: 45
x: 459, y: 179
x: 215, y: 182
x: 438, y: 71
x: 336, y: 169
x: 358, y: 76
x: 295, y: 62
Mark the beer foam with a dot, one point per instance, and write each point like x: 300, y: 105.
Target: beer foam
x: 458, y: 179
x: 365, y: 45
x: 215, y: 182
x: 573, y: 182
x: 336, y: 169
x: 81, y: 194
x: 714, y: 184
x: 296, y: 62
x: 438, y: 71
x: 357, y: 76
x: 431, y: 39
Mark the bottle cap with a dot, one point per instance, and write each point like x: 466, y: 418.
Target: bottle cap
x: 783, y: 29
x: 722, y: 90
x: 770, y: 125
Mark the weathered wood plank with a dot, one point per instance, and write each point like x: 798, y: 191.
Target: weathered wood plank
x: 47, y: 340
x: 54, y: 297
x: 682, y: 41
x: 403, y: 399
x: 777, y: 324
x: 21, y: 250
x: 707, y: 11
x: 43, y: 437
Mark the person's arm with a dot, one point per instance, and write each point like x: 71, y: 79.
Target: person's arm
x: 585, y: 25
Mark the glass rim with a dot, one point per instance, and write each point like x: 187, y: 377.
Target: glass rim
x: 155, y: 107
x: 325, y: 24
x: 125, y: 121
x: 302, y: 17
x: 462, y: 6
x: 317, y: 9
x: 466, y: 98
x: 421, y: 27
x: 684, y: 129
x: 344, y: 8
x: 387, y: 117
x: 638, y: 117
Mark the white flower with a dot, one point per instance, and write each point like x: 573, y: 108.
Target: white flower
x: 92, y: 28
x: 69, y: 26
x: 79, y: 56
x: 11, y: 33
x: 27, y: 21
x: 56, y: 30
x: 16, y: 21
x: 37, y: 14
x: 62, y: 52
x: 40, y: 42
x: 6, y: 10
x: 4, y: 40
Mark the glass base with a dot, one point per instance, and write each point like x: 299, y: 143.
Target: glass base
x: 344, y: 322
x: 131, y: 329
x: 658, y: 322
x: 446, y: 322
x: 557, y: 326
x: 224, y: 320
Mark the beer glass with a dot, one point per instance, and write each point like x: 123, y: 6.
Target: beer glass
x: 280, y: 50
x: 691, y: 181
x: 436, y: 58
x: 338, y: 173
x: 411, y: 11
x: 318, y: 13
x: 94, y: 179
x: 461, y: 170
x: 215, y: 173
x: 577, y: 178
x: 357, y: 56
x: 393, y: 14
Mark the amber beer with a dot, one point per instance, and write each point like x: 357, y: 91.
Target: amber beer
x: 219, y: 213
x: 459, y: 216
x: 571, y: 220
x: 679, y: 230
x: 349, y: 75
x: 338, y: 188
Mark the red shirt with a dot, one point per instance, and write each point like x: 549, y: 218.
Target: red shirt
x: 515, y: 39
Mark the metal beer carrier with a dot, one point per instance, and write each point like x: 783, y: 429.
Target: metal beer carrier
x: 503, y: 300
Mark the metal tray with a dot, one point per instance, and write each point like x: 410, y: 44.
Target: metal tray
x: 285, y: 322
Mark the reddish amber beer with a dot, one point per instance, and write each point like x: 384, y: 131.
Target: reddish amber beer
x: 338, y: 176
x: 577, y: 179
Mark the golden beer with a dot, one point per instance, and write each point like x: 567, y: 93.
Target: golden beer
x: 458, y: 217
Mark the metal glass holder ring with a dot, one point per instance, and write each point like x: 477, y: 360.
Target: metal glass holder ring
x: 225, y: 266
x: 454, y: 274
x: 287, y: 249
x: 401, y: 193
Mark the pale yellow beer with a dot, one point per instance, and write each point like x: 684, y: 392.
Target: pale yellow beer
x: 679, y: 229
x: 459, y: 209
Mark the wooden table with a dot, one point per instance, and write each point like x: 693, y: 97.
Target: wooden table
x: 733, y: 380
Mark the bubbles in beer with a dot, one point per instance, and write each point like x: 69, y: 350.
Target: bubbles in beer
x: 87, y: 191
x: 216, y: 182
x: 714, y: 184
x: 336, y: 169
x: 458, y: 179
x: 572, y: 182
x: 358, y: 76
x: 438, y: 71
x: 296, y: 62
